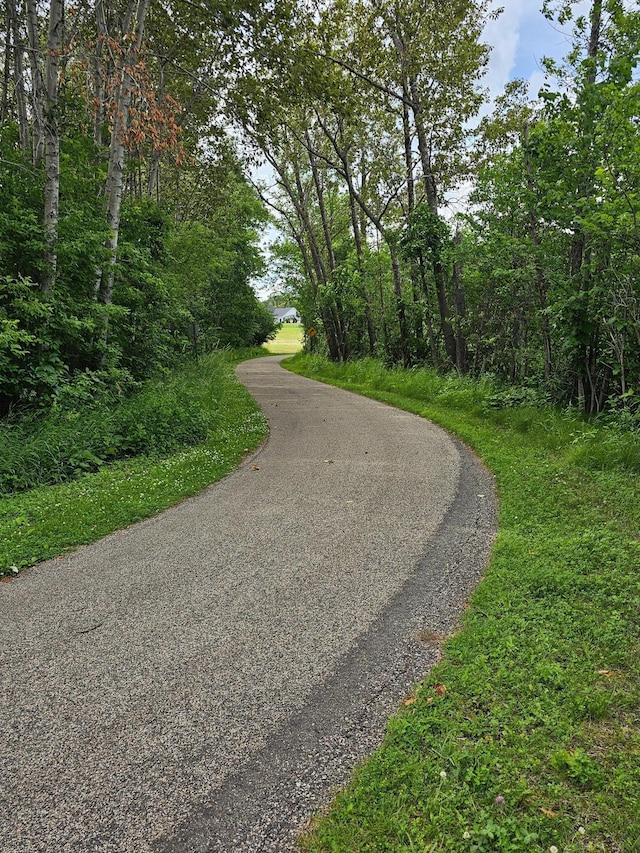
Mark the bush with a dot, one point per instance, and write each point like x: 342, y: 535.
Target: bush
x: 156, y: 421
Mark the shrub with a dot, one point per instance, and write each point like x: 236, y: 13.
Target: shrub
x: 156, y: 421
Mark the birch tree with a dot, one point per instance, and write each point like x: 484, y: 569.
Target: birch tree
x: 126, y: 63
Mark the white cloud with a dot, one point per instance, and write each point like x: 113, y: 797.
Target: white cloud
x: 535, y: 83
x: 520, y: 38
x: 503, y: 35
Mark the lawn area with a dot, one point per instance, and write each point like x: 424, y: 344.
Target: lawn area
x: 288, y: 339
x: 526, y: 738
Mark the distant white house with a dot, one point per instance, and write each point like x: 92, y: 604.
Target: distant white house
x: 285, y: 315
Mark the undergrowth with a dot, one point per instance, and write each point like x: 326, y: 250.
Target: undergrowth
x: 527, y: 736
x: 181, y: 434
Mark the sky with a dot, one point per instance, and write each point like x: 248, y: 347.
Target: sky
x: 520, y: 38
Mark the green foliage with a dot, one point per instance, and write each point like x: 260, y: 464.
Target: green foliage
x: 553, y: 245
x: 426, y: 234
x: 578, y: 767
x: 212, y: 264
x: 48, y: 520
x: 21, y: 233
x: 165, y: 279
x: 526, y: 736
x: 80, y: 434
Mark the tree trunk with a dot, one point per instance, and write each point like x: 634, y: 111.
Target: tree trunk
x: 385, y: 330
x: 534, y: 236
x: 98, y: 74
x: 427, y: 313
x: 579, y: 243
x: 46, y: 134
x: 397, y: 289
x: 357, y: 238
x: 420, y: 309
x: 432, y: 201
x: 13, y: 25
x: 115, y: 172
x: 389, y: 239
x: 38, y: 90
x: 52, y: 142
x: 326, y: 230
x: 461, y: 310
x: 6, y: 70
x: 408, y: 152
x: 336, y: 309
x: 297, y: 196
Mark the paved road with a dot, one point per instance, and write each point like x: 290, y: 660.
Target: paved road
x: 199, y: 681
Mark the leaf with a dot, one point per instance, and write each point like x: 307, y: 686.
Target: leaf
x: 440, y: 689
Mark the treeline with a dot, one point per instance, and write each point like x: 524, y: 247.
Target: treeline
x: 128, y: 215
x: 539, y: 283
x: 127, y: 227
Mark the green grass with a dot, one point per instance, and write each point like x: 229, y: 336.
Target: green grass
x: 47, y: 521
x: 287, y: 340
x: 527, y: 736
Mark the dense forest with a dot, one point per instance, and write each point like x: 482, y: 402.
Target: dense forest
x: 127, y: 228
x: 134, y: 134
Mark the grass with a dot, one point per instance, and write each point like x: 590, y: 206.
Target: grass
x: 527, y: 736
x: 47, y: 521
x: 288, y: 339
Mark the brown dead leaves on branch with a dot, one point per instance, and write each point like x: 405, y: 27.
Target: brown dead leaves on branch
x: 153, y: 120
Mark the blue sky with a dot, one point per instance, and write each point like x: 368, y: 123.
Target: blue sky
x: 520, y: 38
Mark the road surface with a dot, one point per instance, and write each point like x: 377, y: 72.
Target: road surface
x: 202, y: 680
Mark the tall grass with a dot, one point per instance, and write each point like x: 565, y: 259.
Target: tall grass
x: 158, y: 420
x: 527, y: 736
x: 65, y: 486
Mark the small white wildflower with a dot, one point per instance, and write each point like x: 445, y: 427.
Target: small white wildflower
x: 553, y: 849
x: 466, y: 835
x: 581, y: 830
x: 443, y: 774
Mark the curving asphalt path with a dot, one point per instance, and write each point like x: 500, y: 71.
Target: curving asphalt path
x: 203, y: 679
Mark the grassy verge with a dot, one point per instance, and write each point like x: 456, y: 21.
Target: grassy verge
x: 527, y: 736
x: 47, y: 521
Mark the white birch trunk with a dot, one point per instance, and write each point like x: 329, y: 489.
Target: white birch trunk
x: 52, y: 140
x: 115, y: 173
x: 98, y: 72
x: 38, y: 91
